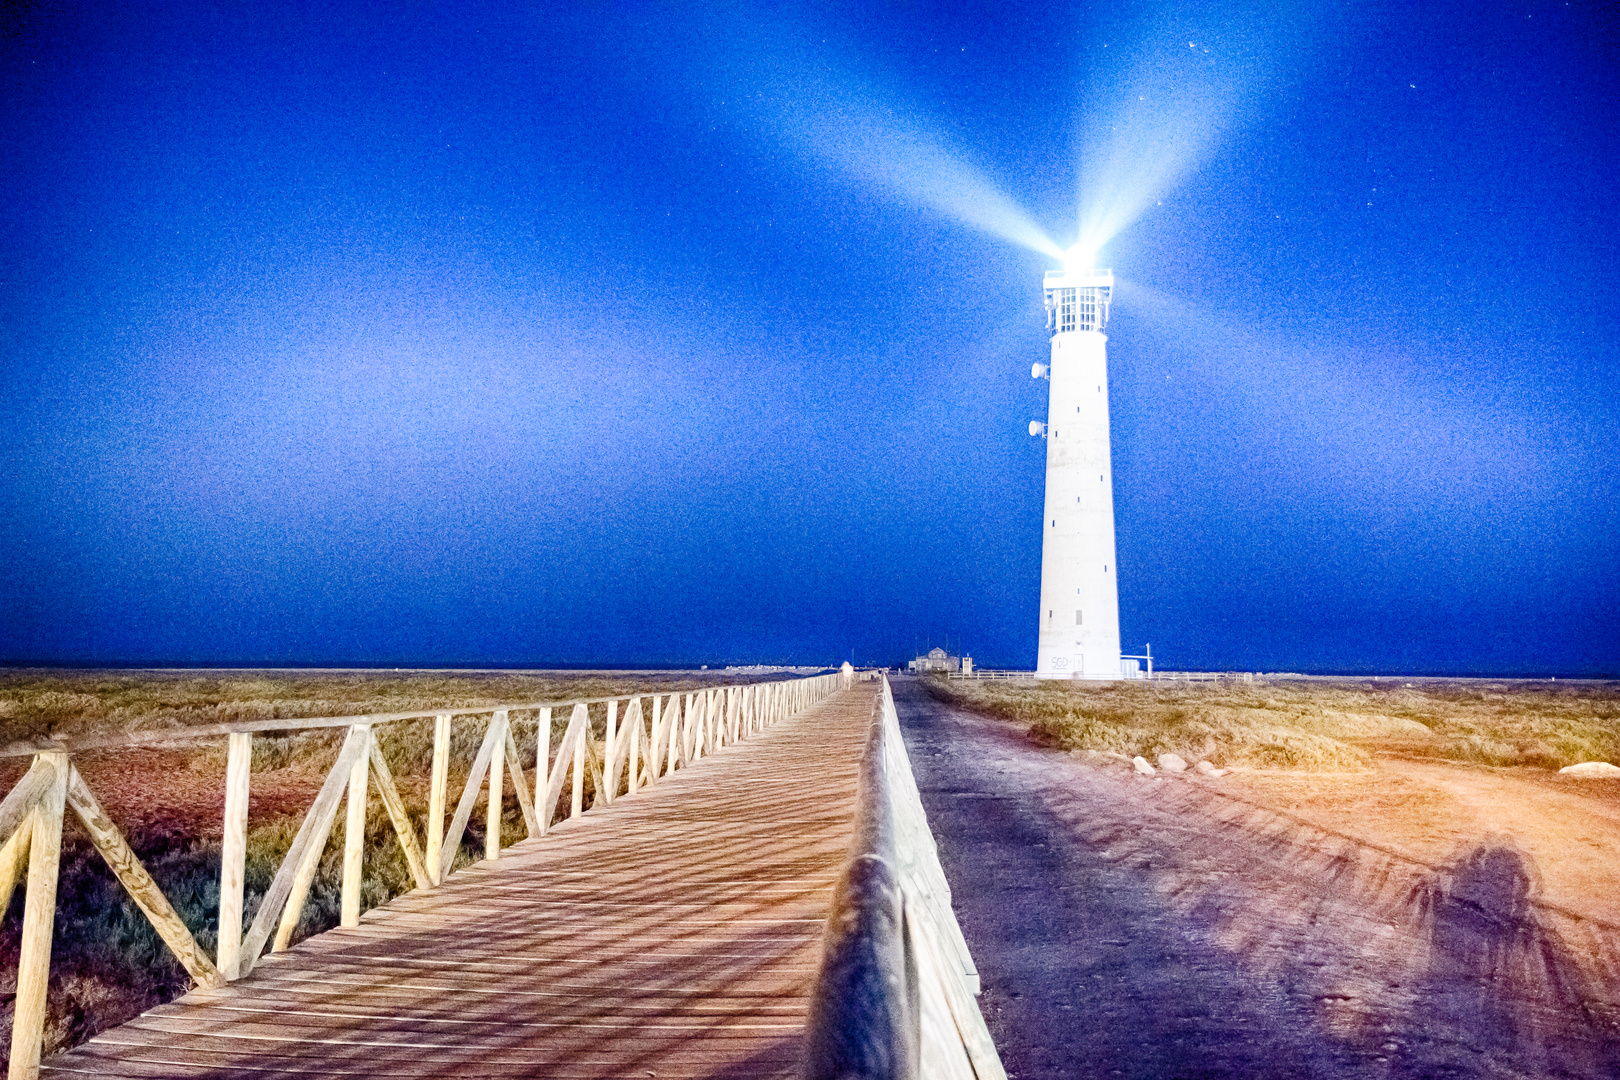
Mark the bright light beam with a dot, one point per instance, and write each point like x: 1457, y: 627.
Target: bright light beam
x: 1163, y: 112
x: 1167, y: 130
x: 829, y: 119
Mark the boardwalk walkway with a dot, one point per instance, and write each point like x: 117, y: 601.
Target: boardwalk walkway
x: 672, y: 934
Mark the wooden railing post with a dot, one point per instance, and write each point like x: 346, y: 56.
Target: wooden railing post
x: 13, y: 860
x: 542, y: 769
x: 705, y: 714
x: 700, y: 741
x: 672, y: 734
x: 654, y: 747
x: 436, y: 796
x: 611, y: 758
x: 576, y: 800
x: 39, y: 921
x: 497, y: 790
x: 696, y: 705
x: 354, y: 830
x: 632, y: 721
x: 689, y: 731
x: 711, y: 717
x: 233, y: 854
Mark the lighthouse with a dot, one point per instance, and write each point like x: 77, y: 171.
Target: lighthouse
x: 1079, y: 616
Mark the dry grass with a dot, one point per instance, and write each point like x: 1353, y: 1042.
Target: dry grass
x: 35, y: 703
x: 1318, y: 725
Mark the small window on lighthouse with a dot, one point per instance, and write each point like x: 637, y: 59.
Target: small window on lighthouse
x: 1077, y: 620
x: 1088, y: 309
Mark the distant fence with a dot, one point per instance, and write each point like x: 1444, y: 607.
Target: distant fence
x: 1156, y: 676
x: 894, y: 997
x: 1203, y: 676
x: 993, y: 676
x: 671, y: 731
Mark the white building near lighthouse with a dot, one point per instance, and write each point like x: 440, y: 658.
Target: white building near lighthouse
x: 1079, y: 616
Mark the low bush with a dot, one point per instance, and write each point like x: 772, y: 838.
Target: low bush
x: 1318, y: 725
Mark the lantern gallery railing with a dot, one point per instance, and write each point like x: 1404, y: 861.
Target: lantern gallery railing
x: 654, y: 735
x: 894, y: 997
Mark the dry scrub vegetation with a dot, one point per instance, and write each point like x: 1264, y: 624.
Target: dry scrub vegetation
x: 107, y: 963
x: 1319, y: 725
x: 35, y: 703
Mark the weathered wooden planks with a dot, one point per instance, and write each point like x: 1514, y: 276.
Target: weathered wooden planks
x: 674, y: 933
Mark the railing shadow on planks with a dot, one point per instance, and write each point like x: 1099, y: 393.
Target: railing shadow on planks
x: 894, y: 997
x: 673, y: 731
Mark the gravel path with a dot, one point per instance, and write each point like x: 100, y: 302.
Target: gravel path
x: 1158, y: 928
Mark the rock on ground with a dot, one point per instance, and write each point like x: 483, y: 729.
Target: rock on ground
x: 1591, y: 768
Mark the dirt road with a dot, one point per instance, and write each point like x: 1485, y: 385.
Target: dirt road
x: 1180, y: 928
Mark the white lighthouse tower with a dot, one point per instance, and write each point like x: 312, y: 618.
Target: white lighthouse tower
x: 1079, y: 636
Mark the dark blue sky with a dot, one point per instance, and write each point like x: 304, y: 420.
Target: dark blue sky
x: 618, y: 333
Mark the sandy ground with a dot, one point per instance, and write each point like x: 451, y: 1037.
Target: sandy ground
x: 1435, y: 812
x: 1421, y: 920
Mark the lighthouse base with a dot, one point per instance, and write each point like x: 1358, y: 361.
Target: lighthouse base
x: 1079, y: 676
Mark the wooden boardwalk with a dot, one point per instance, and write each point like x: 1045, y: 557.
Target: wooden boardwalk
x: 675, y: 933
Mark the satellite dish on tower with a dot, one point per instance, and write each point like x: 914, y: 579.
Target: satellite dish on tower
x: 1038, y: 370
x: 1037, y: 428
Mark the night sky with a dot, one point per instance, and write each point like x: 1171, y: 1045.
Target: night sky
x: 619, y: 334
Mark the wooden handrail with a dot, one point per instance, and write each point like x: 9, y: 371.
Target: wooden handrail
x: 865, y: 1017
x: 685, y: 726
x: 193, y: 732
x: 893, y: 998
